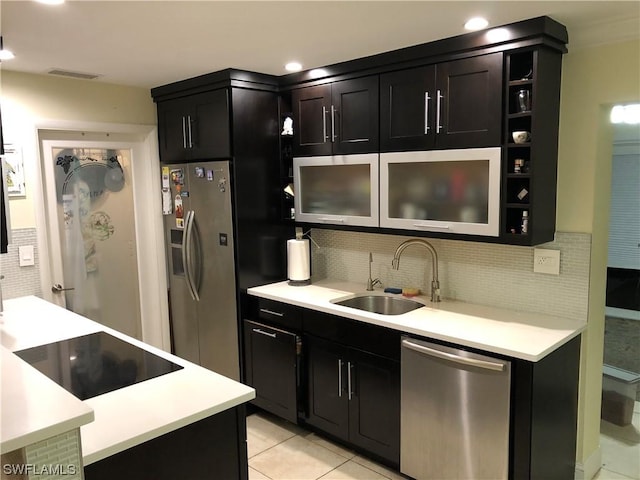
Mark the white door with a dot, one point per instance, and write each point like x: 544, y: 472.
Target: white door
x: 91, y: 230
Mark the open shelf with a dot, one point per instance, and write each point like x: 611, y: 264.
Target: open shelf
x: 532, y: 165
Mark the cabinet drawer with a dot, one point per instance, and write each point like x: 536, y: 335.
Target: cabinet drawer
x: 279, y: 313
x: 371, y: 338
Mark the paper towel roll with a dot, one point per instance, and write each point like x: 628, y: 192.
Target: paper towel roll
x: 298, y: 265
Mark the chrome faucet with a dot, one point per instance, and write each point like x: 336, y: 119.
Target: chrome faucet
x: 435, y: 283
x: 376, y: 281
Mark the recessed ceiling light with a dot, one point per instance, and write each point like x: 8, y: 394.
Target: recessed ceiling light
x: 476, y: 23
x: 51, y: 2
x: 293, y: 67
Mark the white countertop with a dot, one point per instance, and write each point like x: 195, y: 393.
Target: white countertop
x: 528, y: 336
x: 33, y: 407
x: 123, y: 418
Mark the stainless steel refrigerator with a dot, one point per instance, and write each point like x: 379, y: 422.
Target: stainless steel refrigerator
x: 198, y: 221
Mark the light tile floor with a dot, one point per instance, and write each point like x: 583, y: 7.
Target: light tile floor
x: 279, y: 450
x: 620, y: 449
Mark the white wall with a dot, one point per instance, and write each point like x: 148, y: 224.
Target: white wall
x: 35, y: 105
x: 28, y: 100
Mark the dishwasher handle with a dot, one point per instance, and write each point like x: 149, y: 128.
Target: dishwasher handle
x: 473, y: 362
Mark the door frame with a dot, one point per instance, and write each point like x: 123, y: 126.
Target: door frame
x: 150, y: 248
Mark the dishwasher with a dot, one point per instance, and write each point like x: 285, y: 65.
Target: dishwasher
x: 454, y: 420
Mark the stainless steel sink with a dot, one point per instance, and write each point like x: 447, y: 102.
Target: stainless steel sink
x: 380, y: 304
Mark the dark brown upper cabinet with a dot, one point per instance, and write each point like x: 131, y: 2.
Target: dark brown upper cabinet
x: 453, y: 104
x: 194, y: 127
x: 336, y: 118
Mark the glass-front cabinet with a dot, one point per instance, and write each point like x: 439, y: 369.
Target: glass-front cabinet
x: 447, y: 191
x: 337, y: 189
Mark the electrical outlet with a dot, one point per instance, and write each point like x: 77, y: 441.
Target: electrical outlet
x: 546, y: 261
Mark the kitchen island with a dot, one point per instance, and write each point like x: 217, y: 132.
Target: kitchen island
x: 189, y: 423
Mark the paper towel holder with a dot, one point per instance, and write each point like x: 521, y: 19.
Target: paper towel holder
x: 298, y: 260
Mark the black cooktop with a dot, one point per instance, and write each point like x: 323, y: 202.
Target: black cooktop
x: 94, y: 364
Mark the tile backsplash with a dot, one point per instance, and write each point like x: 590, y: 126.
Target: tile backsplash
x: 482, y: 273
x: 20, y: 281
x: 56, y: 458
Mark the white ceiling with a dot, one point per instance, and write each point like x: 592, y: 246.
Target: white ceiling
x: 151, y: 43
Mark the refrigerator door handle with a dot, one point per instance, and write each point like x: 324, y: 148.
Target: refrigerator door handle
x: 185, y: 263
x: 187, y: 255
x: 197, y: 252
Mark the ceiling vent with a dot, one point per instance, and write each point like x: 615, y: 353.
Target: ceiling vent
x: 68, y: 73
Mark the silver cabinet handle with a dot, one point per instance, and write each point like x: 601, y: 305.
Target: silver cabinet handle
x: 427, y: 98
x: 57, y: 288
x: 349, y: 367
x: 439, y: 98
x: 184, y: 132
x: 324, y: 124
x: 428, y: 225
x: 333, y: 124
x: 271, y: 312
x: 339, y: 377
x: 474, y: 362
x: 189, y: 131
x: 327, y: 219
x: 262, y: 332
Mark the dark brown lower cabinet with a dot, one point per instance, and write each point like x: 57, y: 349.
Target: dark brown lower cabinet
x: 544, y: 415
x: 271, y: 365
x: 212, y: 448
x: 348, y: 387
x: 355, y: 396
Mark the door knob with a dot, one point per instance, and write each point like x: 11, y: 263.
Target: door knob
x: 57, y: 288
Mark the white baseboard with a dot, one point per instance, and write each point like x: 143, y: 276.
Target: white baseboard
x: 588, y: 469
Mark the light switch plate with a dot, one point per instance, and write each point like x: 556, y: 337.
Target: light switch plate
x: 25, y: 255
x: 546, y: 261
